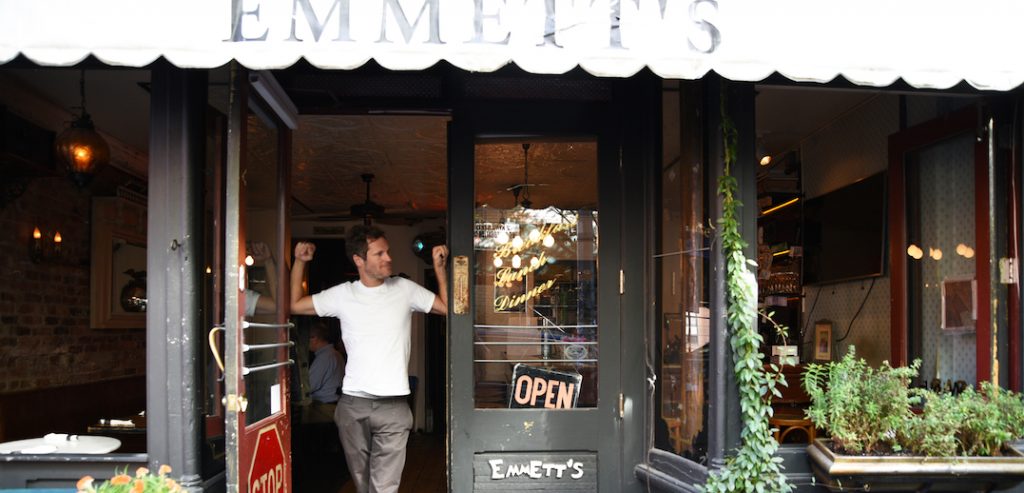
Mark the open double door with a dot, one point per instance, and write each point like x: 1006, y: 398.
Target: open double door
x: 535, y: 216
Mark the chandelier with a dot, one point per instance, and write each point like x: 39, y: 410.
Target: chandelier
x: 80, y: 148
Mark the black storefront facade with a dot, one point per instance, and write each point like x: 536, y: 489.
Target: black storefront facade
x: 652, y: 411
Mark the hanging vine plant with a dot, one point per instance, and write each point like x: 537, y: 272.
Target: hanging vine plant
x: 753, y: 467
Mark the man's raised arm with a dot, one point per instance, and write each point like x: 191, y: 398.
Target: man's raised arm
x: 301, y: 303
x: 440, y: 254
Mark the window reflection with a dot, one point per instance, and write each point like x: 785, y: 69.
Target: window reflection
x: 681, y: 263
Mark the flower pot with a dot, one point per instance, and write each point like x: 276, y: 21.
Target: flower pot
x: 914, y: 473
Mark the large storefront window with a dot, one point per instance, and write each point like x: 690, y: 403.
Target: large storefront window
x: 536, y: 277
x: 942, y: 277
x: 681, y: 264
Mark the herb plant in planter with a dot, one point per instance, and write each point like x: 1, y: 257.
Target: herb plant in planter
x: 880, y: 442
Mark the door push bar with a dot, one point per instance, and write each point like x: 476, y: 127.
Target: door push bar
x: 253, y: 347
x: 256, y: 325
x: 253, y: 369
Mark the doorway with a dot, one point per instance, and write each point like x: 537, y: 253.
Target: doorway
x: 388, y: 170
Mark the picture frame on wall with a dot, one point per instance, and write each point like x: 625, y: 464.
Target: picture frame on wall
x: 118, y: 264
x: 959, y: 303
x: 823, y: 340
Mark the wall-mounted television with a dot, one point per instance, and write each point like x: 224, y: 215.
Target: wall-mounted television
x: 845, y: 232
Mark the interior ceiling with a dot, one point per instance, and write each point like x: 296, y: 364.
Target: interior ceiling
x: 408, y: 154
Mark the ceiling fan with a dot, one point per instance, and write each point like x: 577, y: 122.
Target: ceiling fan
x: 525, y: 186
x: 369, y: 209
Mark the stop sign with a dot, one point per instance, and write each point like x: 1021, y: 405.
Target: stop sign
x: 268, y: 474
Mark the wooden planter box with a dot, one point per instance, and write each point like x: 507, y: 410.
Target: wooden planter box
x: 910, y: 473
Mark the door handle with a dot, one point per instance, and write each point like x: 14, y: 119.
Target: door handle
x: 460, y: 279
x: 216, y: 352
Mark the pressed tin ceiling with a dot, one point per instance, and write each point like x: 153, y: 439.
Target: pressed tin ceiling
x: 408, y: 157
x: 406, y: 154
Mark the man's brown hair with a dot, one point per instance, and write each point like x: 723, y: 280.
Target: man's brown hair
x: 359, y: 238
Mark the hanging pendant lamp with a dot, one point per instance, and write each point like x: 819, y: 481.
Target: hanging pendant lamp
x: 80, y: 148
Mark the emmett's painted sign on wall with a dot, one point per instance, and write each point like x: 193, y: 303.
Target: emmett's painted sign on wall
x: 535, y: 471
x: 534, y: 387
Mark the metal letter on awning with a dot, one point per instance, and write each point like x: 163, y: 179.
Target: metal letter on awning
x: 926, y: 43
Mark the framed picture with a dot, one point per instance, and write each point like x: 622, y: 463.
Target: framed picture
x: 959, y: 303
x: 118, y: 264
x: 823, y: 340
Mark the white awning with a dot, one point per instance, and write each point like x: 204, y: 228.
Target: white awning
x: 927, y: 43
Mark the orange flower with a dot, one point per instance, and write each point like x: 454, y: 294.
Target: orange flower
x: 164, y: 469
x: 84, y: 483
x: 138, y: 486
x: 120, y: 479
x: 140, y: 472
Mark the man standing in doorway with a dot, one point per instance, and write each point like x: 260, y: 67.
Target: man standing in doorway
x: 373, y: 416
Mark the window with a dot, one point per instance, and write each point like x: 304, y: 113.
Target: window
x: 536, y: 276
x: 680, y: 263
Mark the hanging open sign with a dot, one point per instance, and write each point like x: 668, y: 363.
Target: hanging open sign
x: 534, y: 387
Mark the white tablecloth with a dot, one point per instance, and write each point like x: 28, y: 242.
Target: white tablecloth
x: 62, y: 444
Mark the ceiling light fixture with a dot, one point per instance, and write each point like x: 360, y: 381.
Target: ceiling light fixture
x: 764, y: 159
x: 80, y: 148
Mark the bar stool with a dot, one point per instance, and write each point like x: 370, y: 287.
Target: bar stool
x: 788, y: 420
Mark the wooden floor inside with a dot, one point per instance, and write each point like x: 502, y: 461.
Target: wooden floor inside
x: 424, y: 466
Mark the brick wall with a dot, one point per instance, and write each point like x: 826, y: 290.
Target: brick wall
x: 45, y: 339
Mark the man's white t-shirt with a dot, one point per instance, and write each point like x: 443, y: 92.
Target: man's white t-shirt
x: 376, y: 326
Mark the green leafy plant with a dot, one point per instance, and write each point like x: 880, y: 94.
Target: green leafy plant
x: 753, y: 466
x: 143, y: 482
x: 861, y: 407
x: 869, y: 411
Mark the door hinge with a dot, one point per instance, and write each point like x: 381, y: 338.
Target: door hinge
x: 235, y: 403
x: 622, y: 282
x: 1008, y: 270
x: 622, y: 406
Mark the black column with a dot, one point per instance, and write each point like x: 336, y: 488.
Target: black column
x: 174, y: 258
x: 723, y: 409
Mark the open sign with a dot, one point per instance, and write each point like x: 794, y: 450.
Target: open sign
x: 534, y: 387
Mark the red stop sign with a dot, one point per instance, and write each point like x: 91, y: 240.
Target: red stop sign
x: 268, y: 474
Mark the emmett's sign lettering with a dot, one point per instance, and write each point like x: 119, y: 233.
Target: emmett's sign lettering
x: 534, y: 387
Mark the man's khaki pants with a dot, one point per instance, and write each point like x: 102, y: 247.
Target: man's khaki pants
x: 374, y: 434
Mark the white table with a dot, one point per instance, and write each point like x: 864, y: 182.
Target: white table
x: 61, y: 444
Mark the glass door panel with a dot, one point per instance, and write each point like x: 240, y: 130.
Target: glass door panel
x: 535, y: 273
x: 260, y: 186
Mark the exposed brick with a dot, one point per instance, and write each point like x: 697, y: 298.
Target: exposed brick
x: 56, y: 293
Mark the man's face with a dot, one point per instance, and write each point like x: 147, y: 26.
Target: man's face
x: 315, y: 343
x: 377, y: 265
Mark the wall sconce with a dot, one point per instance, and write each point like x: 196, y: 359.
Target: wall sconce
x: 80, y: 148
x: 37, y: 249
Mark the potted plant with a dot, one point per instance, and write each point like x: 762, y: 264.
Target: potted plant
x: 886, y: 435
x: 143, y: 482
